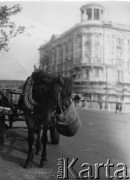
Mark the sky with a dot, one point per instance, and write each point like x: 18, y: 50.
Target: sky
x: 42, y: 19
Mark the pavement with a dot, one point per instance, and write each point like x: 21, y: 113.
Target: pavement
x: 13, y: 154
x: 103, y: 135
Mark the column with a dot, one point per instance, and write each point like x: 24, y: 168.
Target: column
x: 83, y: 48
x: 92, y: 13
x: 82, y: 15
x: 74, y: 48
x: 92, y: 48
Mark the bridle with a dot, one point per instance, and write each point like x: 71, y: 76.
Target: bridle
x: 62, y: 107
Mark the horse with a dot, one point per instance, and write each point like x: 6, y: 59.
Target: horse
x: 48, y: 93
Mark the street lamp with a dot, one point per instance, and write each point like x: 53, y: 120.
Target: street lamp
x: 106, y: 100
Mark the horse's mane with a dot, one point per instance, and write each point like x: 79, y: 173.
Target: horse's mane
x: 47, y: 88
x: 67, y: 87
x: 43, y: 77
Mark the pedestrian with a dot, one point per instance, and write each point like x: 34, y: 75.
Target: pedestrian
x: 100, y: 105
x: 117, y: 107
x: 77, y: 99
x: 120, y: 108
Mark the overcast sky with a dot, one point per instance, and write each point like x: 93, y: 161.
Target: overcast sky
x: 42, y: 19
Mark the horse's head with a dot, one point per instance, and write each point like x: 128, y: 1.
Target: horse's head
x: 50, y: 89
x: 65, y: 93
x: 54, y: 93
x: 67, y: 119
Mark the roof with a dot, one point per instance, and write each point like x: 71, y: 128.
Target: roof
x: 107, y: 24
x: 96, y: 5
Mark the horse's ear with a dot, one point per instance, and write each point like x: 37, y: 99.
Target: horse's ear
x: 60, y: 80
x: 73, y: 77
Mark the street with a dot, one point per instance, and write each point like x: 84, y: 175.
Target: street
x: 102, y: 136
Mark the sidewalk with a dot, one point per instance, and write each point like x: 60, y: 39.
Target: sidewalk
x: 12, y: 158
x: 104, y: 110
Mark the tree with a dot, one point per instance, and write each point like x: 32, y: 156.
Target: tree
x: 8, y: 28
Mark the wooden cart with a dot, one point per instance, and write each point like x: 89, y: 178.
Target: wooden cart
x: 9, y: 111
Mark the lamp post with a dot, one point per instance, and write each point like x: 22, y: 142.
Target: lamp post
x: 106, y: 100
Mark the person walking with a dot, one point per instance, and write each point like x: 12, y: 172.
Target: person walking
x: 117, y: 107
x: 120, y: 108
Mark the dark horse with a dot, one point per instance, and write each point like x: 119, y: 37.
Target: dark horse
x: 49, y: 92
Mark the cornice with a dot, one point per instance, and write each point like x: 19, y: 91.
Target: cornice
x: 103, y: 24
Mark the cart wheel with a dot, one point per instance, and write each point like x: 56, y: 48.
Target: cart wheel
x: 54, y: 134
x: 11, y: 121
x: 2, y: 129
x: 6, y: 127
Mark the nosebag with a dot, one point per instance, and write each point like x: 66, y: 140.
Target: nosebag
x: 68, y: 122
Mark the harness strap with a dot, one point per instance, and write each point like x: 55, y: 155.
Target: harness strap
x: 27, y: 94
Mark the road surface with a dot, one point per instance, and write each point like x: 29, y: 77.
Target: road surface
x: 102, y: 136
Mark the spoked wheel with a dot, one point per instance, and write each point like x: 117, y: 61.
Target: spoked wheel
x: 54, y: 134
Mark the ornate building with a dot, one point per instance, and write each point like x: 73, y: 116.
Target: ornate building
x: 96, y: 50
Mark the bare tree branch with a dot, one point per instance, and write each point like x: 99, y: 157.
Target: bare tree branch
x: 8, y: 28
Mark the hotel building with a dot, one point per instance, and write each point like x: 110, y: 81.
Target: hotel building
x: 98, y: 51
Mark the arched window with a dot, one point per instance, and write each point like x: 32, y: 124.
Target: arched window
x: 97, y: 47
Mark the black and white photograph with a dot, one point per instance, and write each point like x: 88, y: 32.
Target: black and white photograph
x: 64, y: 90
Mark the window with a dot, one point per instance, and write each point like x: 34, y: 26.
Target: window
x: 119, y: 76
x: 87, y: 57
x: 129, y: 55
x: 79, y: 75
x: 82, y: 11
x: 88, y: 44
x: 97, y: 47
x: 129, y: 43
x: 96, y: 72
x: 87, y: 74
x: 119, y: 41
x: 80, y: 43
x: 89, y: 13
x: 96, y: 14
x: 119, y: 52
x: 87, y: 95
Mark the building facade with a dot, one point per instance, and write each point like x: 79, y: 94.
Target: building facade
x: 98, y: 51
